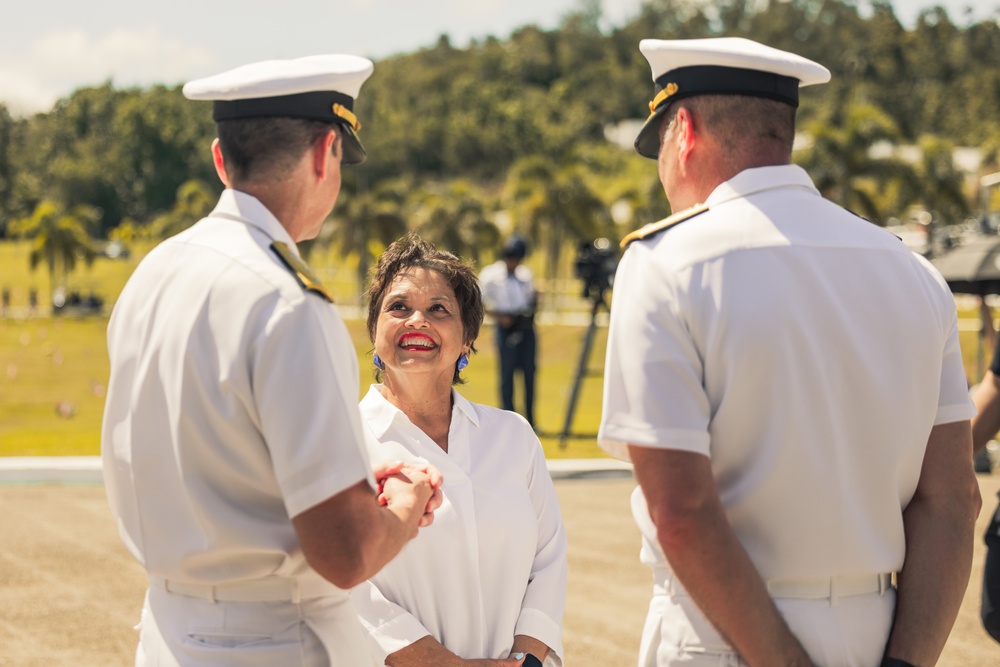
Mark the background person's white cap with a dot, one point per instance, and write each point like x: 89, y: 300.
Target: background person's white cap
x: 316, y: 88
x: 720, y: 66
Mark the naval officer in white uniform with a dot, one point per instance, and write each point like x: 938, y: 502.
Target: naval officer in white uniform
x: 787, y: 380
x: 232, y: 445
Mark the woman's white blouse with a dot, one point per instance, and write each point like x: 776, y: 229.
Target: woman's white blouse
x: 493, y: 563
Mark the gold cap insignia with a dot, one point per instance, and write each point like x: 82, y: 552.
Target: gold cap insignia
x: 341, y: 111
x: 671, y: 89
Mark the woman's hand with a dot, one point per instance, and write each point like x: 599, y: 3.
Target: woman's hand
x: 387, y: 469
x: 411, y: 496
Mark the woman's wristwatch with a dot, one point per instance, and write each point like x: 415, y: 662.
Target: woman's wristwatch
x: 531, y: 661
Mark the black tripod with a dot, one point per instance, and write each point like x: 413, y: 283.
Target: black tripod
x: 581, y: 370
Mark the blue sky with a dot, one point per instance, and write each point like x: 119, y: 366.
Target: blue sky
x: 48, y: 48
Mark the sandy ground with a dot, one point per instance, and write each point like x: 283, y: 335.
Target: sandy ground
x: 70, y: 594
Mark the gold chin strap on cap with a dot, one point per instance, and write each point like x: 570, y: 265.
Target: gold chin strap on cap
x: 341, y: 111
x: 661, y: 96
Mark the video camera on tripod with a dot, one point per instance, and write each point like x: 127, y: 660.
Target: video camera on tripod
x: 596, y: 262
x: 595, y: 265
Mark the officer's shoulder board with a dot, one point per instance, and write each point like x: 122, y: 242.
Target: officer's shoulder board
x: 668, y: 222
x: 302, y: 273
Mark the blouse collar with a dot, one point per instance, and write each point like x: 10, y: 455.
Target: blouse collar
x: 380, y: 414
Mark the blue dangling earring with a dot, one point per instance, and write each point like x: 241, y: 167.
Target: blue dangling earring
x: 378, y: 362
x: 463, y: 361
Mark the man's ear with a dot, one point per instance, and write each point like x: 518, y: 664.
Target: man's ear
x: 329, y: 147
x: 220, y: 163
x: 685, y: 135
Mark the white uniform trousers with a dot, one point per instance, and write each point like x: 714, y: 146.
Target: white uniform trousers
x: 182, y: 631
x: 850, y: 631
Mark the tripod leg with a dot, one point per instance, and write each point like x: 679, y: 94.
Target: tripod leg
x: 581, y: 369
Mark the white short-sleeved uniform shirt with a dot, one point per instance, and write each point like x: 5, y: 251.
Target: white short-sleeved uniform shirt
x: 231, y: 404
x: 493, y: 563
x: 805, y: 351
x: 505, y: 292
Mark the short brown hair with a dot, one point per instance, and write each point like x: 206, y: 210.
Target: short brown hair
x: 257, y: 149
x: 409, y: 252
x: 743, y: 124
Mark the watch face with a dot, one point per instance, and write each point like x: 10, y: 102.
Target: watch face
x: 531, y: 661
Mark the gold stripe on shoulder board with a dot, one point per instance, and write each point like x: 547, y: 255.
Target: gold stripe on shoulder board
x: 303, y: 273
x: 666, y: 223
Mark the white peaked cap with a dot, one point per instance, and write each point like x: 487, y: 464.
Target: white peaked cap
x: 315, y: 87
x: 720, y: 66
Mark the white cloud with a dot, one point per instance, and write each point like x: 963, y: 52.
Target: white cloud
x: 58, y: 62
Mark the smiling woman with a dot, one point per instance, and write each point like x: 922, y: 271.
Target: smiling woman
x: 496, y: 551
x: 421, y: 300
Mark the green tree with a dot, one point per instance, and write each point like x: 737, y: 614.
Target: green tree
x: 7, y: 124
x: 365, y: 224
x: 555, y: 206
x: 940, y: 190
x: 454, y: 217
x: 59, y: 239
x: 195, y: 199
x: 841, y: 165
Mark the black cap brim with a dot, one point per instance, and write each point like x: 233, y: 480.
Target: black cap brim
x: 647, y: 142
x: 711, y: 80
x: 316, y: 105
x: 354, y: 152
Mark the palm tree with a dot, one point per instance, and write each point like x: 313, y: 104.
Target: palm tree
x: 365, y: 224
x: 940, y: 182
x: 58, y: 238
x: 195, y: 199
x: 455, y: 218
x: 555, y: 205
x: 841, y: 164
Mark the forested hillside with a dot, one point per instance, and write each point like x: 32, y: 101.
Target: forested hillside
x: 510, y: 132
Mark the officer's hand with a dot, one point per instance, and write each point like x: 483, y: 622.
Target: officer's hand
x: 382, y: 470
x: 436, y: 498
x: 408, y: 495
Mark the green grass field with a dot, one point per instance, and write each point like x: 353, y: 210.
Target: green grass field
x: 53, y: 371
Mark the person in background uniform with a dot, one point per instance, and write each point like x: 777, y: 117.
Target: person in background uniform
x: 985, y: 425
x: 794, y: 456
x: 510, y: 297
x: 233, y: 452
x: 486, y: 584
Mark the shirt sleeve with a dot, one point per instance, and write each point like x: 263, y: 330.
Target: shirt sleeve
x: 390, y: 627
x: 544, y: 599
x: 488, y: 286
x: 305, y: 386
x: 653, y: 391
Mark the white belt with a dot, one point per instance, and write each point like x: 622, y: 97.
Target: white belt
x: 830, y: 588
x: 270, y: 589
x: 815, y: 588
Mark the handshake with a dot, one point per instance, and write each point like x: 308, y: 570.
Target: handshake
x: 412, y: 491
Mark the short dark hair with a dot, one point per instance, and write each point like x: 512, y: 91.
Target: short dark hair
x: 744, y: 124
x: 261, y: 148
x: 409, y: 252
